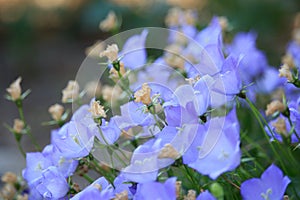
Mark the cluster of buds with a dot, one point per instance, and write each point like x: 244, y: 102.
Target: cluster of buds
x: 275, y: 106
x: 9, y: 190
x: 143, y: 95
x: 97, y: 111
x: 70, y: 92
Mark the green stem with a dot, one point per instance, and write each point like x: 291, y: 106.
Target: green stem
x: 259, y: 119
x: 88, y: 178
x: 291, y: 124
x: 21, y: 149
x: 21, y: 113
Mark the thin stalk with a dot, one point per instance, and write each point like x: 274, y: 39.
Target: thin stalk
x: 258, y: 118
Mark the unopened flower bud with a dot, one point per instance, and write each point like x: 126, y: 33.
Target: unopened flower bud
x: 122, y: 196
x: 9, y: 177
x: 97, y: 110
x: 168, y: 151
x: 8, y: 191
x: 288, y: 59
x: 190, y: 17
x: 14, y: 89
x: 143, y: 95
x: 178, y: 188
x: 172, y: 18
x: 70, y: 92
x: 110, y: 93
x: 191, y: 195
x: 109, y: 23
x: 223, y: 21
x: 93, y: 89
x: 111, y: 52
x: 56, y: 111
x: 280, y: 126
x: 98, y: 186
x: 217, y: 190
x: 18, y: 125
x: 285, y: 71
x: 22, y: 197
x: 274, y: 106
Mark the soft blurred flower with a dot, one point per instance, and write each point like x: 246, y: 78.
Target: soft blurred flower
x: 271, y: 185
x: 56, y: 111
x: 70, y: 92
x: 288, y: 59
x: 18, y: 125
x: 111, y: 52
x: 109, y: 23
x: 274, y: 106
x: 7, y: 192
x: 93, y: 89
x: 134, y: 51
x: 14, y: 89
x: 22, y: 197
x: 95, y: 49
x: 132, y: 3
x: 9, y: 177
x: 97, y: 109
x: 111, y: 94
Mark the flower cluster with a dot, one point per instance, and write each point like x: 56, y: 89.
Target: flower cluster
x: 178, y: 132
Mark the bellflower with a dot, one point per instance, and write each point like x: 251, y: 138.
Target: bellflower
x: 50, y: 185
x: 73, y: 140
x: 254, y: 62
x: 156, y: 190
x: 271, y: 185
x: 64, y: 165
x: 133, y: 114
x: 215, y: 149
x: 134, y: 51
x: 294, y: 50
x: 99, y: 189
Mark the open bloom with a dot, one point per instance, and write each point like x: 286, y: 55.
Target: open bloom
x: 271, y: 185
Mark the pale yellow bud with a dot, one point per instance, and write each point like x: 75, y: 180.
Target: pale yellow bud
x: 94, y: 50
x: 190, y: 17
x: 8, y: 191
x: 56, y: 111
x: 285, y: 71
x: 70, y: 92
x: 223, y: 21
x: 191, y: 195
x: 109, y: 23
x: 178, y: 188
x: 18, y: 125
x: 22, y: 197
x: 97, y: 110
x: 143, y: 95
x: 14, y: 89
x: 122, y: 196
x: 296, y: 35
x: 114, y: 73
x: 111, y: 52
x: 280, y: 126
x: 274, y: 106
x: 172, y: 18
x: 9, y: 177
x: 110, y: 93
x: 288, y: 60
x: 168, y: 151
x: 97, y: 186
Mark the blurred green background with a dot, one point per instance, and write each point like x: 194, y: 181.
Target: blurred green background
x: 44, y: 42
